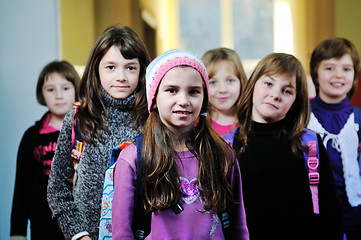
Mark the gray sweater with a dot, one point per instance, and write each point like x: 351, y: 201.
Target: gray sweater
x: 79, y: 211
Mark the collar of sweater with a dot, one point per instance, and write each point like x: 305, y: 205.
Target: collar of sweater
x: 267, y: 128
x: 123, y: 105
x: 321, y: 105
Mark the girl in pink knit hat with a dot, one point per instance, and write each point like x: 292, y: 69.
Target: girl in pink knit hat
x: 191, y: 180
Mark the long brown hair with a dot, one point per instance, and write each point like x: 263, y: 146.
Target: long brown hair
x: 297, y: 117
x: 92, y: 109
x: 160, y: 171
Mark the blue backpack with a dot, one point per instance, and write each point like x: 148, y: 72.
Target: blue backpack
x: 105, y: 226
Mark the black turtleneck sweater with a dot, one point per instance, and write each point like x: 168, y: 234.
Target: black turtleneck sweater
x: 78, y: 210
x: 276, y: 192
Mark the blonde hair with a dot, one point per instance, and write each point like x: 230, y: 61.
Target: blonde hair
x: 214, y: 57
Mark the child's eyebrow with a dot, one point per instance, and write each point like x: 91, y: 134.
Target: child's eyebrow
x: 334, y: 63
x: 111, y: 62
x: 128, y: 61
x: 170, y: 86
x: 329, y: 63
x: 289, y: 85
x: 196, y: 87
x: 132, y: 61
x: 348, y: 65
x: 270, y: 77
x: 177, y: 86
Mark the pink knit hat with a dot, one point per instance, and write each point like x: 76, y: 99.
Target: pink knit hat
x: 165, y: 62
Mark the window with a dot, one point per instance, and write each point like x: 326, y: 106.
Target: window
x: 253, y: 28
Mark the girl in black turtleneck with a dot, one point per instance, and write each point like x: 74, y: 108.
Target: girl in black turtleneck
x: 277, y: 194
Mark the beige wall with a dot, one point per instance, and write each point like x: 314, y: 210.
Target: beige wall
x: 77, y: 24
x: 82, y: 21
x: 348, y: 19
x: 166, y: 22
x: 347, y: 25
x: 313, y: 21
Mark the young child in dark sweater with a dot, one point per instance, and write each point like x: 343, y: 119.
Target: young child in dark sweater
x: 57, y: 89
x: 277, y: 196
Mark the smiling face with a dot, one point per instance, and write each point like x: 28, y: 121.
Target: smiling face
x: 59, y: 94
x: 180, y: 98
x: 224, y: 89
x: 335, y: 78
x: 273, y: 96
x: 118, y: 76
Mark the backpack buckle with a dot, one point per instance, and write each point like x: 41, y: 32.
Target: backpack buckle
x: 75, y: 154
x: 313, y: 177
x: 312, y: 163
x: 139, y: 234
x: 77, y: 150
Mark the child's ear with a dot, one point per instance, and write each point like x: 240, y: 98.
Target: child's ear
x: 154, y: 106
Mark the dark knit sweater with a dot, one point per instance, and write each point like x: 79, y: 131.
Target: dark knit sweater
x: 276, y: 192
x: 80, y: 211
x: 35, y: 153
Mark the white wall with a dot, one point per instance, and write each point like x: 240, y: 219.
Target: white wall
x: 28, y: 40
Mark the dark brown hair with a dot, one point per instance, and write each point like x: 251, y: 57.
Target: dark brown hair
x: 297, y: 117
x: 62, y: 67
x: 334, y: 48
x: 92, y: 110
x: 161, y: 176
x: 214, y: 57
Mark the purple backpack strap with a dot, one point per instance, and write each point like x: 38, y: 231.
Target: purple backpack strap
x: 312, y: 162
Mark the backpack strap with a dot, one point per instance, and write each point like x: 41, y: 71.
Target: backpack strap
x: 226, y: 223
x: 312, y: 163
x: 116, y: 151
x: 77, y: 143
x: 357, y: 112
x: 225, y: 219
x: 105, y: 223
x: 141, y: 219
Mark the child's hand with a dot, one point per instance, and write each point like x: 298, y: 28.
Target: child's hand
x: 18, y: 238
x: 85, y: 238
